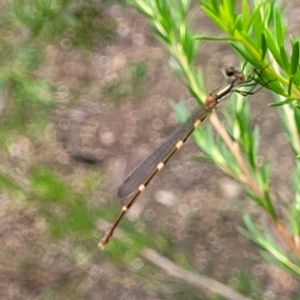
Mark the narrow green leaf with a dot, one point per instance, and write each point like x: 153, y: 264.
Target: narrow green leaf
x: 283, y: 202
x: 263, y: 46
x: 164, y: 14
x: 215, y: 6
x: 294, y: 219
x: 142, y: 6
x: 189, y: 45
x: 297, y: 78
x: 284, y: 58
x: 268, y: 8
x: 238, y: 23
x: 265, y: 173
x: 258, y: 26
x: 272, y: 46
x: 255, y: 14
x: 290, y: 85
x: 256, y: 199
x: 272, y: 83
x: 215, y: 17
x: 297, y: 120
x: 287, y: 101
x: 245, y: 15
x: 279, y: 29
x: 251, y: 226
x: 294, y: 58
x: 229, y: 9
x: 203, y: 158
x: 185, y: 4
x: 213, y: 38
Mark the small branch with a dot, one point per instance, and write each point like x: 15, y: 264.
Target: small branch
x: 199, y: 281
x: 202, y: 282
x: 248, y: 180
x: 286, y: 237
x: 235, y: 149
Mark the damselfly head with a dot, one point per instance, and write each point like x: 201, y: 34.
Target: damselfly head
x: 235, y: 75
x: 230, y: 71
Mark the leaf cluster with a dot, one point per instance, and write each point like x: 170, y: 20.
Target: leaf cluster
x: 258, y: 35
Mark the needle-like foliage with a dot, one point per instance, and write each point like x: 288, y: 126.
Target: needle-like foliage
x: 258, y: 35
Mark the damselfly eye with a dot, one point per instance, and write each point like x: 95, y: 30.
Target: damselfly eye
x: 230, y: 71
x: 137, y: 181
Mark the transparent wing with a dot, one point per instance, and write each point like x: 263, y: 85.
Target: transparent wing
x: 148, y: 168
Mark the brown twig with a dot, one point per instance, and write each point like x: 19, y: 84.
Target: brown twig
x: 197, y: 280
x: 247, y: 178
x: 204, y: 284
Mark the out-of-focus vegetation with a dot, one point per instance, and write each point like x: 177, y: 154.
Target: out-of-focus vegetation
x: 258, y: 35
x: 31, y: 32
x: 28, y: 31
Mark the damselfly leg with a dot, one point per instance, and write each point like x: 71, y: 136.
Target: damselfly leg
x: 137, y: 180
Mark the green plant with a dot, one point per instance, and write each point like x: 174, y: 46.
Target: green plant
x: 258, y: 35
x: 27, y: 30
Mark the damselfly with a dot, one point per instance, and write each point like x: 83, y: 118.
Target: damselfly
x: 136, y: 182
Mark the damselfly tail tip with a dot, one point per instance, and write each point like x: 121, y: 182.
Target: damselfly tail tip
x: 101, y: 245
x: 105, y: 239
x: 103, y: 242
x: 137, y: 181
